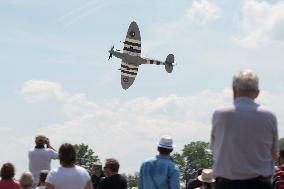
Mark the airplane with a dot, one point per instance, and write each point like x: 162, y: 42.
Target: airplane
x: 131, y: 57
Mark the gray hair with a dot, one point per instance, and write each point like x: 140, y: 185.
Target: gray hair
x: 245, y: 80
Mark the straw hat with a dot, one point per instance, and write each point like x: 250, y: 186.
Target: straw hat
x: 206, y: 176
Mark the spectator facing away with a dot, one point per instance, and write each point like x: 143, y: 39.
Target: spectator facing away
x: 161, y: 171
x: 68, y: 175
x: 206, y: 179
x: 40, y: 157
x: 42, y: 177
x: 7, y: 174
x: 244, y: 138
x: 195, y: 183
x: 26, y: 180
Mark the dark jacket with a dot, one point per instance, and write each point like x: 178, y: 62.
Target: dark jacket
x: 113, y: 182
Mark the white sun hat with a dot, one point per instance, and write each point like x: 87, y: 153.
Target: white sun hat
x: 166, y: 141
x: 206, y: 176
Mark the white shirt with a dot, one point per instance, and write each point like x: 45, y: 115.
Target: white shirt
x: 40, y: 159
x: 40, y: 187
x: 68, y: 178
x: 243, y: 139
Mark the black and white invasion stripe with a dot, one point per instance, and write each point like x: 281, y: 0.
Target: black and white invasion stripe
x: 128, y: 70
x: 157, y: 62
x: 132, y: 47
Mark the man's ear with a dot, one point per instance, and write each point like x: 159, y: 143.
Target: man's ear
x: 234, y: 93
x: 256, y: 94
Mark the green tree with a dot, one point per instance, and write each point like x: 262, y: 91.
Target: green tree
x: 132, y: 180
x: 85, y: 156
x: 281, y: 143
x: 193, y: 157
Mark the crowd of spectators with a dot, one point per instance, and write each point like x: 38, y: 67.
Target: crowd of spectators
x: 244, y: 144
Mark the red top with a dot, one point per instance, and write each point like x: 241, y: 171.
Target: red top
x: 9, y: 183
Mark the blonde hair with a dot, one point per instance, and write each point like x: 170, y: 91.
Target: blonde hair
x: 26, y: 179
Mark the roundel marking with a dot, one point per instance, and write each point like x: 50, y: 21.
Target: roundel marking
x: 132, y: 33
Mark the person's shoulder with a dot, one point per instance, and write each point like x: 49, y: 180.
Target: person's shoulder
x: 121, y: 177
x: 105, y: 180
x: 173, y: 166
x: 54, y: 171
x: 16, y: 182
x: 32, y: 149
x: 49, y: 150
x: 81, y: 169
x: 224, y: 108
x: 265, y: 110
x: 167, y: 161
x: 149, y: 160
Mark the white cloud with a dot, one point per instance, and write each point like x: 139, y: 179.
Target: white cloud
x: 202, y: 12
x: 118, y: 129
x: 261, y: 24
x: 199, y: 15
x: 35, y: 91
x: 77, y: 105
x: 129, y: 130
x: 39, y: 90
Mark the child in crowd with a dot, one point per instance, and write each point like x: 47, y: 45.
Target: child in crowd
x: 26, y: 180
x: 42, y: 176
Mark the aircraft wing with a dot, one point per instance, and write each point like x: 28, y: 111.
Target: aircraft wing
x: 128, y: 74
x: 132, y: 43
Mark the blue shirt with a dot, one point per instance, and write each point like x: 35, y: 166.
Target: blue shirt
x: 159, y: 173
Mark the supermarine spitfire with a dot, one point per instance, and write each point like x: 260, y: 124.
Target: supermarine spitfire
x: 131, y: 57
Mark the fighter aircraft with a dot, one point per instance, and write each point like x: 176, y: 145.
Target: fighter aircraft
x: 131, y: 57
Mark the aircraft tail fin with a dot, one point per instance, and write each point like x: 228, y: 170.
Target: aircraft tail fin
x: 169, y: 63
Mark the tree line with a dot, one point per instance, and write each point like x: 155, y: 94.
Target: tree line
x: 193, y: 156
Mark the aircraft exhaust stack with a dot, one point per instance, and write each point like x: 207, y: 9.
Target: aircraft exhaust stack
x: 169, y: 63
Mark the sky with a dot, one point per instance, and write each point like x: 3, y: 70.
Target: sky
x: 55, y: 78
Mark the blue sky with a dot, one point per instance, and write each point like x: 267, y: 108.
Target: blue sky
x: 55, y: 77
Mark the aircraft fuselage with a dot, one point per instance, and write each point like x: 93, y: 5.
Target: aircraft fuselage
x: 135, y: 60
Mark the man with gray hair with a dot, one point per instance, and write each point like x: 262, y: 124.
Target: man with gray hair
x: 244, y: 138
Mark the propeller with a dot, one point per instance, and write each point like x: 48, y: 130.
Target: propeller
x: 110, y: 52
